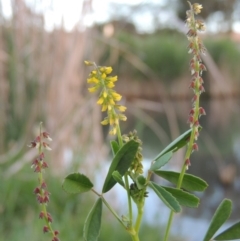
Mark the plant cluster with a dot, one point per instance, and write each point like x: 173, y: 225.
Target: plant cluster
x: 126, y: 167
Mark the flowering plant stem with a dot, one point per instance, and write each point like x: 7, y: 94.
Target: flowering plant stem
x: 133, y: 231
x: 196, y: 68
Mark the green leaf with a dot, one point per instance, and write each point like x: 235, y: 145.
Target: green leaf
x: 121, y: 162
x: 118, y: 178
x: 92, y: 224
x: 168, y: 199
x: 231, y: 233
x: 190, y: 182
x: 184, y: 198
x: 141, y: 182
x: 76, y: 183
x: 161, y: 161
x: 114, y: 147
x: 176, y: 144
x: 219, y: 218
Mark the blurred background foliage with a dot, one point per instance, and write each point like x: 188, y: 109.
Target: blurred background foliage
x: 42, y: 78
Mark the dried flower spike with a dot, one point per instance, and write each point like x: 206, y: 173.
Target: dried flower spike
x: 41, y: 192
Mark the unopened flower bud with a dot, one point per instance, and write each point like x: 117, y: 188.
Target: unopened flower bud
x: 45, y: 229
x: 46, y: 136
x: 195, y: 147
x: 187, y: 163
x: 202, y: 111
x: 46, y: 146
x: 41, y: 215
x: 197, y: 8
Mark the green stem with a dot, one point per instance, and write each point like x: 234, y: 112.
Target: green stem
x: 139, y: 216
x: 120, y: 141
x: 129, y: 199
x: 113, y: 212
x: 126, y: 180
x: 184, y: 167
x: 135, y: 237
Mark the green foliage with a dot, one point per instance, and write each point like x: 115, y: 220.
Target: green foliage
x: 159, y: 51
x: 184, y: 198
x: 76, y: 183
x: 161, y: 161
x: 231, y: 233
x: 190, y: 182
x: 93, y: 222
x: 220, y: 217
x: 175, y: 145
x: 223, y: 51
x: 118, y: 178
x: 121, y: 162
x: 115, y: 147
x: 168, y: 199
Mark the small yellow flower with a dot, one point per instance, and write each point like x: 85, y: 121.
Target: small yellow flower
x: 108, y: 70
x: 92, y: 89
x: 110, y: 85
x: 105, y: 121
x: 100, y: 101
x: 92, y: 80
x: 105, y: 94
x: 112, y: 120
x: 122, y: 117
x: 104, y: 76
x: 116, y: 96
x: 89, y: 63
x: 121, y: 108
x: 104, y: 107
x: 111, y: 102
x: 112, y: 78
x: 113, y: 131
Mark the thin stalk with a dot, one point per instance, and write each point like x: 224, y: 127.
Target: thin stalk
x: 139, y: 216
x: 109, y: 207
x: 129, y: 200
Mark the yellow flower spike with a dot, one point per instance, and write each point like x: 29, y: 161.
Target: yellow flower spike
x: 100, y: 101
x: 108, y: 96
x: 116, y: 96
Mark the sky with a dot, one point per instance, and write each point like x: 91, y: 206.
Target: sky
x: 68, y: 10
x: 68, y: 13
